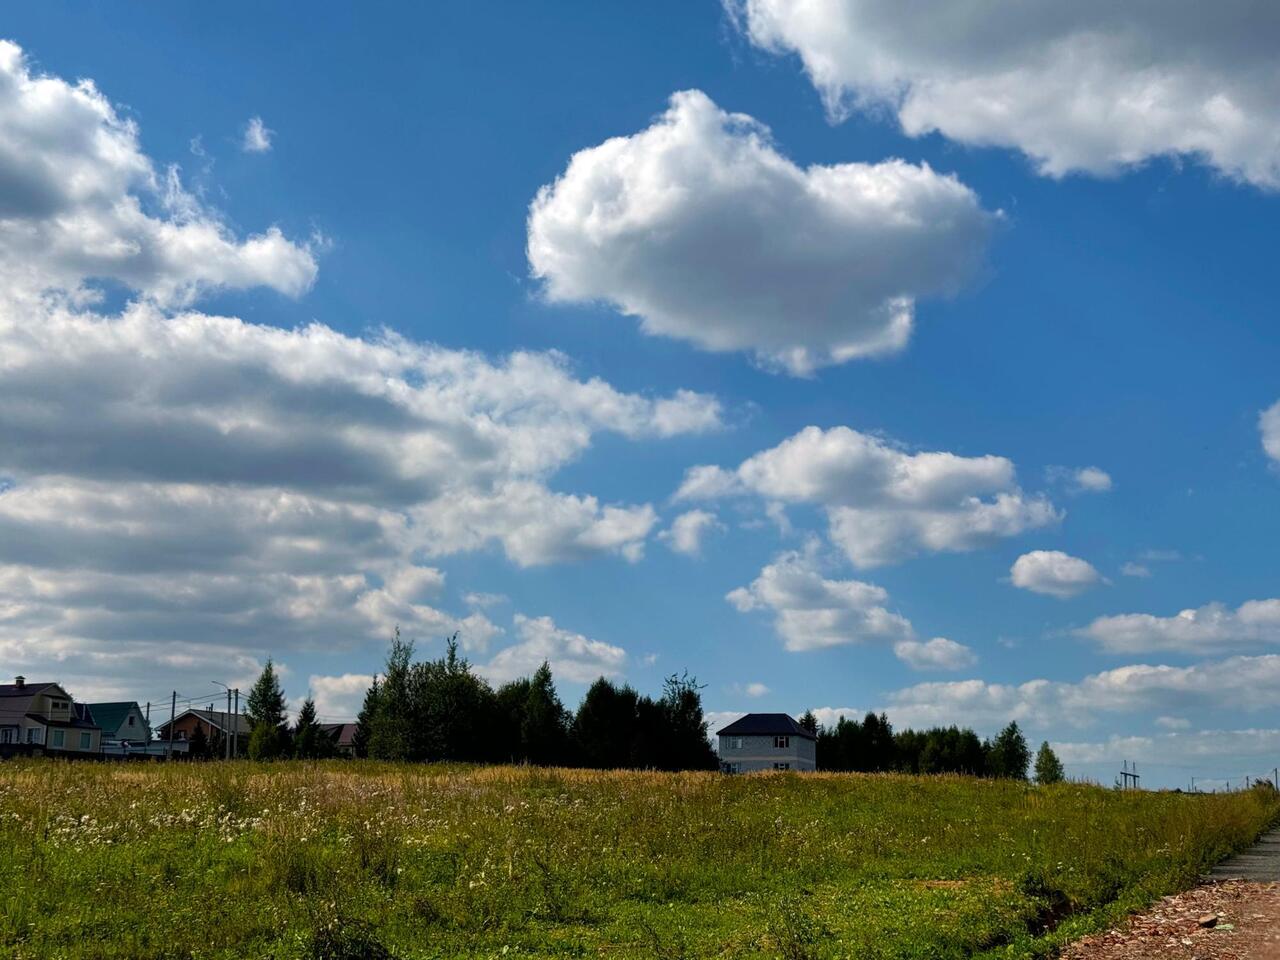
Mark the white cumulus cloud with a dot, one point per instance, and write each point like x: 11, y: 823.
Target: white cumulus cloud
x: 1213, y: 627
x: 339, y: 696
x: 80, y: 202
x: 572, y: 656
x: 1053, y: 573
x: 1089, y: 86
x: 700, y: 227
x: 811, y: 612
x: 883, y: 503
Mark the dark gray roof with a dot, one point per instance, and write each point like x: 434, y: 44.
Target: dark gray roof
x: 26, y: 690
x: 344, y: 734
x: 765, y: 725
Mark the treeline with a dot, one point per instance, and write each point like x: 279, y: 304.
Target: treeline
x: 441, y: 710
x: 872, y: 746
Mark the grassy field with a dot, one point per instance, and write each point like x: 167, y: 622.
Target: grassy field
x: 361, y: 860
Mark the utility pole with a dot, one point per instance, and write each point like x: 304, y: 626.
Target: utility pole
x: 226, y: 731
x: 173, y: 715
x: 235, y: 750
x: 1129, y: 778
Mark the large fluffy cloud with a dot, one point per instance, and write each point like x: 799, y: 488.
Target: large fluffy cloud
x: 182, y: 492
x: 1210, y: 628
x: 701, y: 228
x: 883, y: 503
x: 1087, y: 86
x: 811, y: 612
x: 1054, y: 573
x: 80, y: 201
x: 571, y: 656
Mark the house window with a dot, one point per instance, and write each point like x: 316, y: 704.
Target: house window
x: 8, y: 735
x: 735, y: 743
x: 35, y: 735
x: 131, y: 719
x: 735, y: 768
x: 782, y: 766
x: 59, y: 737
x: 86, y: 741
x: 782, y: 743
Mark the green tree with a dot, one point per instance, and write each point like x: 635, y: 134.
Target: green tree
x: 266, y: 712
x: 544, y: 724
x: 309, y: 740
x: 606, y: 726
x: 686, y: 744
x: 389, y: 725
x: 809, y: 722
x: 367, y: 718
x: 1008, y: 755
x: 1048, y: 766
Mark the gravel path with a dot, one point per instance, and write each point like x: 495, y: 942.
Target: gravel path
x: 1233, y: 915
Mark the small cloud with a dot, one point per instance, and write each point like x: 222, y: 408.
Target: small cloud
x: 1160, y: 556
x: 1132, y: 569
x: 257, y: 136
x: 1080, y: 479
x: 479, y: 601
x: 1053, y: 573
x: 1173, y: 723
x: 687, y: 531
x: 196, y: 145
x: 936, y: 654
x: 755, y: 690
x: 649, y: 659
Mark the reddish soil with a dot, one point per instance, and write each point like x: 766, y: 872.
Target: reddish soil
x: 1225, y: 920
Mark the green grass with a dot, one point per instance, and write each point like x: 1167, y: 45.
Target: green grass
x: 365, y: 860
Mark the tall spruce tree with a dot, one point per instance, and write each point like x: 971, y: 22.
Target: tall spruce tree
x: 367, y: 718
x: 266, y: 709
x: 308, y: 738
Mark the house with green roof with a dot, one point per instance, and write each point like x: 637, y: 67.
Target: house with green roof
x: 123, y: 723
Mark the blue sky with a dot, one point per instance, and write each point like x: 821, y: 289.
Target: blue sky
x: 1086, y: 289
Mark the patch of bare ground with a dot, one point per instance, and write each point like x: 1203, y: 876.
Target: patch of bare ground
x: 1225, y: 920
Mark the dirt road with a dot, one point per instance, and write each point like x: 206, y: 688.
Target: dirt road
x: 1234, y: 915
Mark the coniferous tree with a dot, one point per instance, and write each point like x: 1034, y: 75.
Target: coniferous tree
x: 266, y: 711
x: 1048, y: 766
x: 367, y: 718
x: 389, y: 726
x: 308, y: 738
x: 809, y: 722
x: 687, y: 745
x: 544, y: 726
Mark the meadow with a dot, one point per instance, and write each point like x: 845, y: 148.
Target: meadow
x: 339, y: 861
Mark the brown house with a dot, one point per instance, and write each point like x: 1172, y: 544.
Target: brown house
x: 214, y: 724
x: 343, y: 736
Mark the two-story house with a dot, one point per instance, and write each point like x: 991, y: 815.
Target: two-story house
x: 123, y: 724
x: 42, y: 718
x: 766, y: 741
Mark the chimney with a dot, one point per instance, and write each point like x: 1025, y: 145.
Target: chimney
x: 19, y: 681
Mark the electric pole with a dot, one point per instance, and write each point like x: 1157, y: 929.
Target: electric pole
x: 235, y: 752
x: 173, y: 715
